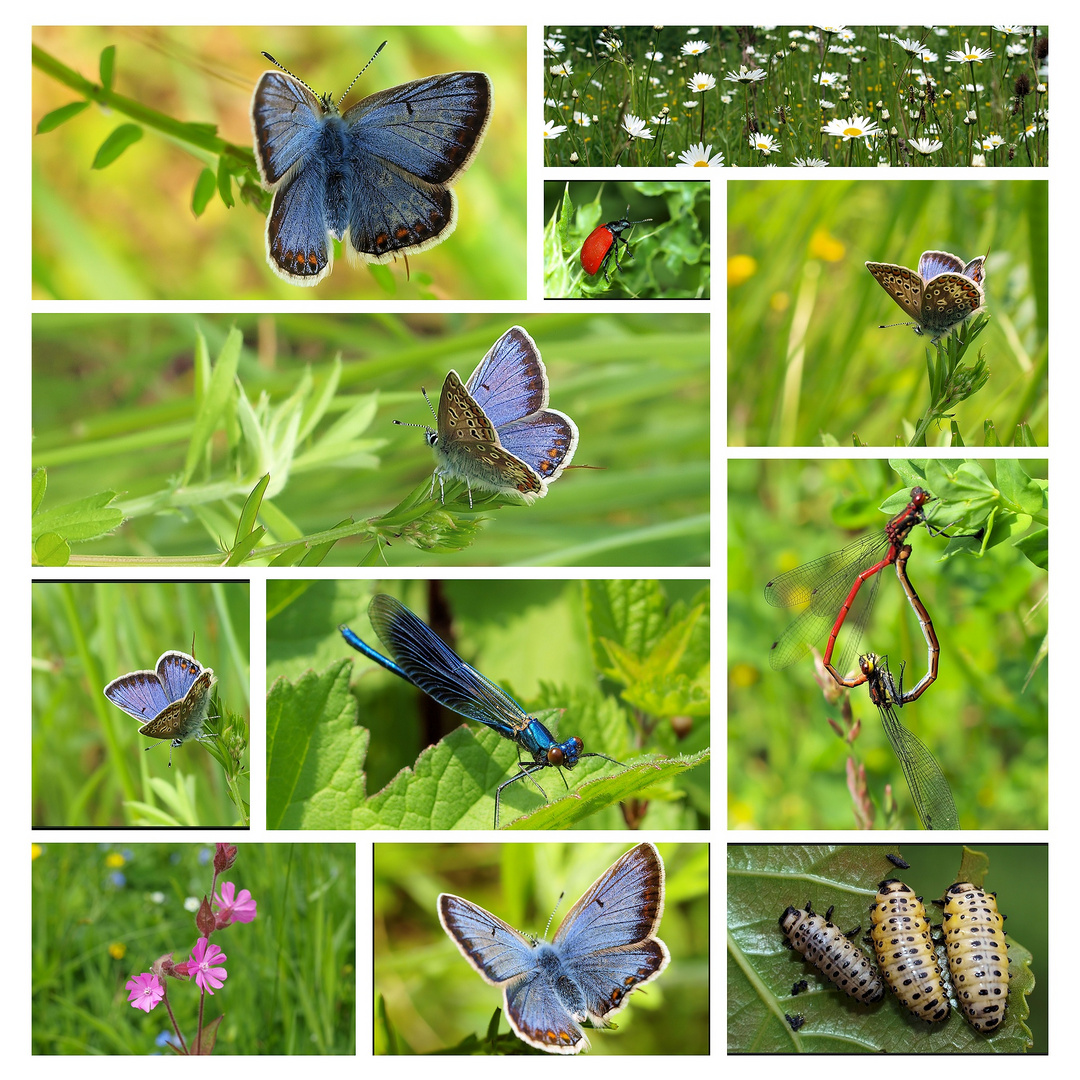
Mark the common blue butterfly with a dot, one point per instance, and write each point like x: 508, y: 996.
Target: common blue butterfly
x: 422, y: 658
x: 944, y: 292
x: 172, y: 700
x: 378, y: 176
x: 605, y: 948
x: 496, y: 431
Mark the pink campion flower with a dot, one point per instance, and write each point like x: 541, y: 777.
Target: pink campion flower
x: 208, y: 977
x: 146, y: 991
x: 233, y: 908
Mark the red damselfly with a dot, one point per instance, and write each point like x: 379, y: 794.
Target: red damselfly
x: 831, y: 585
x: 929, y: 789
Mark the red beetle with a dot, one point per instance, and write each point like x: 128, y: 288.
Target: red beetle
x: 603, y: 242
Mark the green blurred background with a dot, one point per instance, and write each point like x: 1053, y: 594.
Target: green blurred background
x: 435, y: 999
x: 89, y: 767
x: 103, y: 913
x: 113, y: 408
x: 985, y: 719
x: 529, y: 637
x: 807, y: 361
x: 128, y: 232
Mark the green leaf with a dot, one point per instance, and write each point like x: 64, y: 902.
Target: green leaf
x: 84, y: 519
x: 1036, y: 547
x: 54, y: 119
x: 115, y: 144
x: 51, y: 550
x: 315, y: 753
x: 214, y: 402
x: 204, y: 192
x: 250, y: 513
x: 107, y: 65
x: 762, y: 881
x: 224, y: 182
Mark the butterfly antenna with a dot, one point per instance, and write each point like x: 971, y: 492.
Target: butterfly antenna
x: 278, y: 64
x: 405, y: 423
x: 359, y: 73
x: 551, y: 917
x: 885, y: 326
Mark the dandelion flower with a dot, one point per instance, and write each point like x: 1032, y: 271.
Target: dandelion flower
x: 697, y: 156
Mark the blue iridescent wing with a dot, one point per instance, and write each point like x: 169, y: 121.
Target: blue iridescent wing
x: 405, y: 147
x: 297, y: 233
x: 505, y: 958
x: 287, y: 120
x: 932, y: 263
x: 434, y: 667
x: 607, y: 941
x: 511, y: 381
x: 177, y: 672
x: 545, y: 441
x: 139, y: 694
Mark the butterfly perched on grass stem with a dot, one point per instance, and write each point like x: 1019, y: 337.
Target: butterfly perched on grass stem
x: 943, y: 293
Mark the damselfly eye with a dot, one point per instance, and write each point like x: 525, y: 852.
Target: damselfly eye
x: 556, y: 757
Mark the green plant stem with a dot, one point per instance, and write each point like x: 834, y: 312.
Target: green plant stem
x: 201, y: 136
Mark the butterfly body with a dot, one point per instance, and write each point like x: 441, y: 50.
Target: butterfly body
x: 422, y: 658
x: 172, y: 701
x: 377, y: 177
x: 496, y: 431
x: 604, y: 949
x: 942, y: 294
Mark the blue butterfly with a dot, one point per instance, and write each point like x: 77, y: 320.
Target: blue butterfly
x: 496, y: 431
x: 605, y: 948
x: 172, y: 701
x: 425, y: 660
x: 378, y: 176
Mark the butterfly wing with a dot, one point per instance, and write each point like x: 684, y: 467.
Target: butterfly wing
x: 177, y: 672
x: 607, y: 940
x: 298, y: 246
x: 505, y: 958
x: 511, y: 381
x: 185, y: 718
x: 139, y: 693
x: 545, y: 441
x: 468, y: 446
x: 932, y: 263
x: 405, y: 147
x: 976, y: 270
x: 434, y: 667
x: 948, y: 300
x: 286, y: 121
x: 902, y: 284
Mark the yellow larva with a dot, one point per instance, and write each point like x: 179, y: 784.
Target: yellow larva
x: 834, y: 955
x: 905, y: 951
x: 978, y: 955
